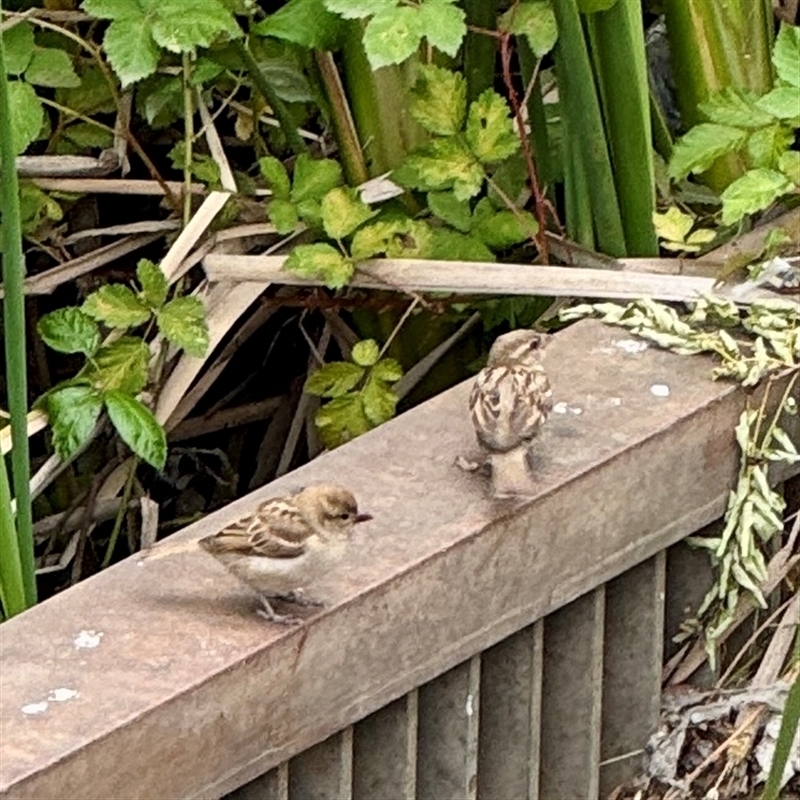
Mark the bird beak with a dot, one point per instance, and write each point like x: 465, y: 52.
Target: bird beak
x: 363, y: 517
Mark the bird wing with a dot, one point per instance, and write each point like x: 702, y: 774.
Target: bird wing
x: 274, y: 530
x: 509, y: 405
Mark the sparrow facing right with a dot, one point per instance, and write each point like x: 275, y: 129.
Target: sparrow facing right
x: 285, y: 545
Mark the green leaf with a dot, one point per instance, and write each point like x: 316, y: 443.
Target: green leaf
x: 444, y: 25
x: 305, y: 22
x: 334, y: 380
x: 283, y: 215
x: 51, y: 67
x: 380, y: 402
x: 117, y: 306
x: 341, y: 420
x: 314, y: 178
x: 456, y: 213
x: 735, y: 107
x: 754, y: 191
x: 366, y: 352
x: 786, y: 54
x: 387, y: 370
x: 343, y: 211
x: 490, y: 132
x: 702, y: 146
x: 36, y: 208
x: 27, y: 115
x: 766, y: 146
x: 183, y: 322
x: 392, y: 36
x: 161, y: 97
x: 397, y: 238
x: 276, y: 176
x: 73, y: 413
x: 536, y: 21
x: 153, y: 282
x: 783, y: 102
x: 443, y: 164
x: 447, y: 245
x: 357, y: 9
x: 503, y: 229
x: 439, y: 100
x: 321, y: 262
x: 141, y: 27
x: 93, y: 96
x: 121, y: 365
x: 18, y: 47
x: 138, y: 428
x: 673, y: 225
x: 789, y: 165
x: 69, y: 330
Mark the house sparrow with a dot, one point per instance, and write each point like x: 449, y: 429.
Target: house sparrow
x: 510, y: 401
x: 285, y: 544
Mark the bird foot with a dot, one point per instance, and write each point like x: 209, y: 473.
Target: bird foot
x: 511, y: 474
x: 480, y: 464
x: 268, y: 613
x: 299, y: 598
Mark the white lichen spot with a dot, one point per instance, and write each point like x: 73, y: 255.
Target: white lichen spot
x: 631, y: 346
x: 659, y: 390
x: 35, y: 708
x: 87, y: 640
x: 469, y: 709
x: 576, y: 410
x: 615, y: 401
x: 560, y: 408
x: 62, y: 695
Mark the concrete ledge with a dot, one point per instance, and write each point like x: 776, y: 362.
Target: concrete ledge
x: 188, y: 694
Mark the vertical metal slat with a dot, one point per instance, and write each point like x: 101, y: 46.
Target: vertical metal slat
x: 447, y: 750
x: 385, y: 752
x: 325, y: 771
x: 272, y: 785
x: 634, y: 641
x: 511, y: 691
x: 571, y: 699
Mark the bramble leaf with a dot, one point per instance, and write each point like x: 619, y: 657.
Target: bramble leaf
x: 322, y: 262
x: 366, y: 353
x: 443, y: 24
x: 334, y: 380
x: 702, y: 146
x: 137, y: 427
x: 490, y: 132
x: 276, y: 176
x: 117, y: 306
x: 442, y: 164
x: 393, y: 35
x: 120, y: 365
x: 343, y: 211
x: 314, y: 178
x: 439, y: 100
x: 153, y: 282
x: 536, y: 21
x: 305, y: 22
x: 183, y: 322
x: 754, y: 191
x: 69, y: 330
x: 73, y: 413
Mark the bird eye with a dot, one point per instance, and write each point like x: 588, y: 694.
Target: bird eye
x: 344, y: 516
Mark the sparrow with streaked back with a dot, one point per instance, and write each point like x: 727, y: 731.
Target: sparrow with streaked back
x: 285, y: 545
x: 510, y: 401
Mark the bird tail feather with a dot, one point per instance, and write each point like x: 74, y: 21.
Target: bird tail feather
x: 161, y: 550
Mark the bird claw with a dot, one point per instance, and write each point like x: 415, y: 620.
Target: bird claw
x: 472, y: 464
x: 299, y: 598
x: 268, y: 613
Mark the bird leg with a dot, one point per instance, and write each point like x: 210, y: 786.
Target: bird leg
x: 268, y: 613
x: 299, y: 598
x: 511, y: 474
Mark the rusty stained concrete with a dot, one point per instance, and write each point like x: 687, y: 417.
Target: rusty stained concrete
x: 185, y: 685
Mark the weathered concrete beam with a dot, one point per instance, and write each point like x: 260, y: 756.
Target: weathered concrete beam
x: 188, y: 694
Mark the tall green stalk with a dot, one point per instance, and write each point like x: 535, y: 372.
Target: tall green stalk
x: 714, y: 45
x: 583, y: 123
x: 14, y: 333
